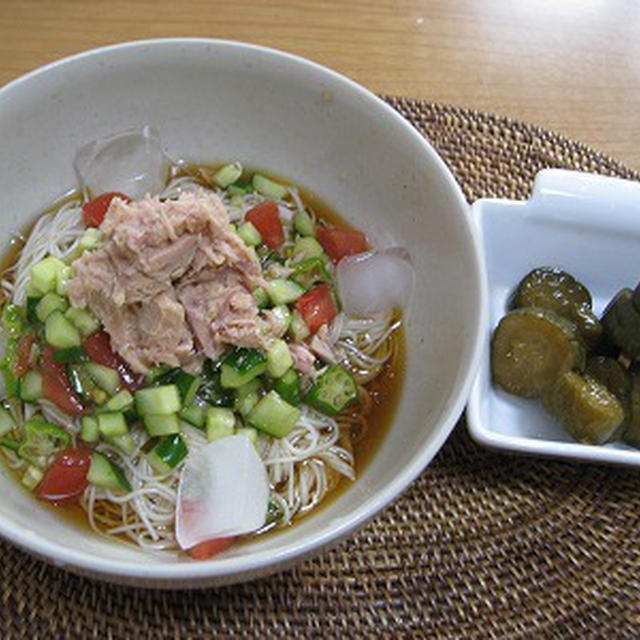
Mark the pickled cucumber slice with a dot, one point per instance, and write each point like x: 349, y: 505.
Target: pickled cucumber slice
x: 531, y: 347
x: 560, y: 292
x: 610, y: 373
x: 621, y: 322
x: 631, y: 434
x: 586, y: 408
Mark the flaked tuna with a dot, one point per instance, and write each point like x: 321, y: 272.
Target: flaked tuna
x: 171, y: 282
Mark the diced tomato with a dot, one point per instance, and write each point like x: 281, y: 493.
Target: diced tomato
x: 317, y: 307
x: 66, y: 477
x: 98, y: 347
x: 22, y: 362
x: 265, y: 218
x: 94, y: 211
x: 56, y: 386
x: 339, y: 243
x: 210, y: 548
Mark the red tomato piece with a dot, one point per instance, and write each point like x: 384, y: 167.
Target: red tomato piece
x: 22, y: 363
x: 94, y: 211
x: 66, y: 477
x: 56, y: 386
x: 317, y: 307
x: 210, y: 548
x: 98, y: 347
x: 265, y: 218
x: 339, y: 243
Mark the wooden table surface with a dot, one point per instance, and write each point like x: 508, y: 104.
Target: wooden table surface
x: 572, y: 66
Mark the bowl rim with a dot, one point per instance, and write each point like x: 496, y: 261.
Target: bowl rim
x: 232, y: 569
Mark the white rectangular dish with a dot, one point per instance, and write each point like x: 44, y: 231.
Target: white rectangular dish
x: 585, y: 224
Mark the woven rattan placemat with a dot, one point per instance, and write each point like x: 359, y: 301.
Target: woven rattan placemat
x: 482, y: 545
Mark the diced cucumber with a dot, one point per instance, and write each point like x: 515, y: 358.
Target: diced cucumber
x: 168, y: 453
x: 187, y: 384
x: 283, y: 291
x: 274, y: 416
x: 241, y: 366
x: 249, y: 234
x: 279, y: 359
x: 307, y: 248
x: 162, y: 400
x: 220, y: 423
x: 246, y: 402
x: 60, y: 333
x: 84, y: 385
x: 161, y: 425
x: 44, y: 274
x: 71, y: 355
x: 6, y: 422
x: 31, y: 291
x: 211, y: 390
x: 105, y: 377
x: 250, y: 432
x: 125, y: 443
x: 261, y: 298
x: 288, y: 386
x: 90, y: 431
x: 106, y: 474
x: 303, y: 224
x: 62, y: 283
x: 280, y: 317
x: 30, y: 388
x: 91, y: 238
x: 112, y: 424
x: 48, y: 304
x: 83, y: 320
x: 122, y: 401
x: 32, y: 477
x: 228, y: 174
x: 298, y: 327
x: 193, y: 414
x: 268, y: 187
x: 333, y: 391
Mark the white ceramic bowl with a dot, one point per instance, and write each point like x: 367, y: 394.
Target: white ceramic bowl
x: 214, y: 101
